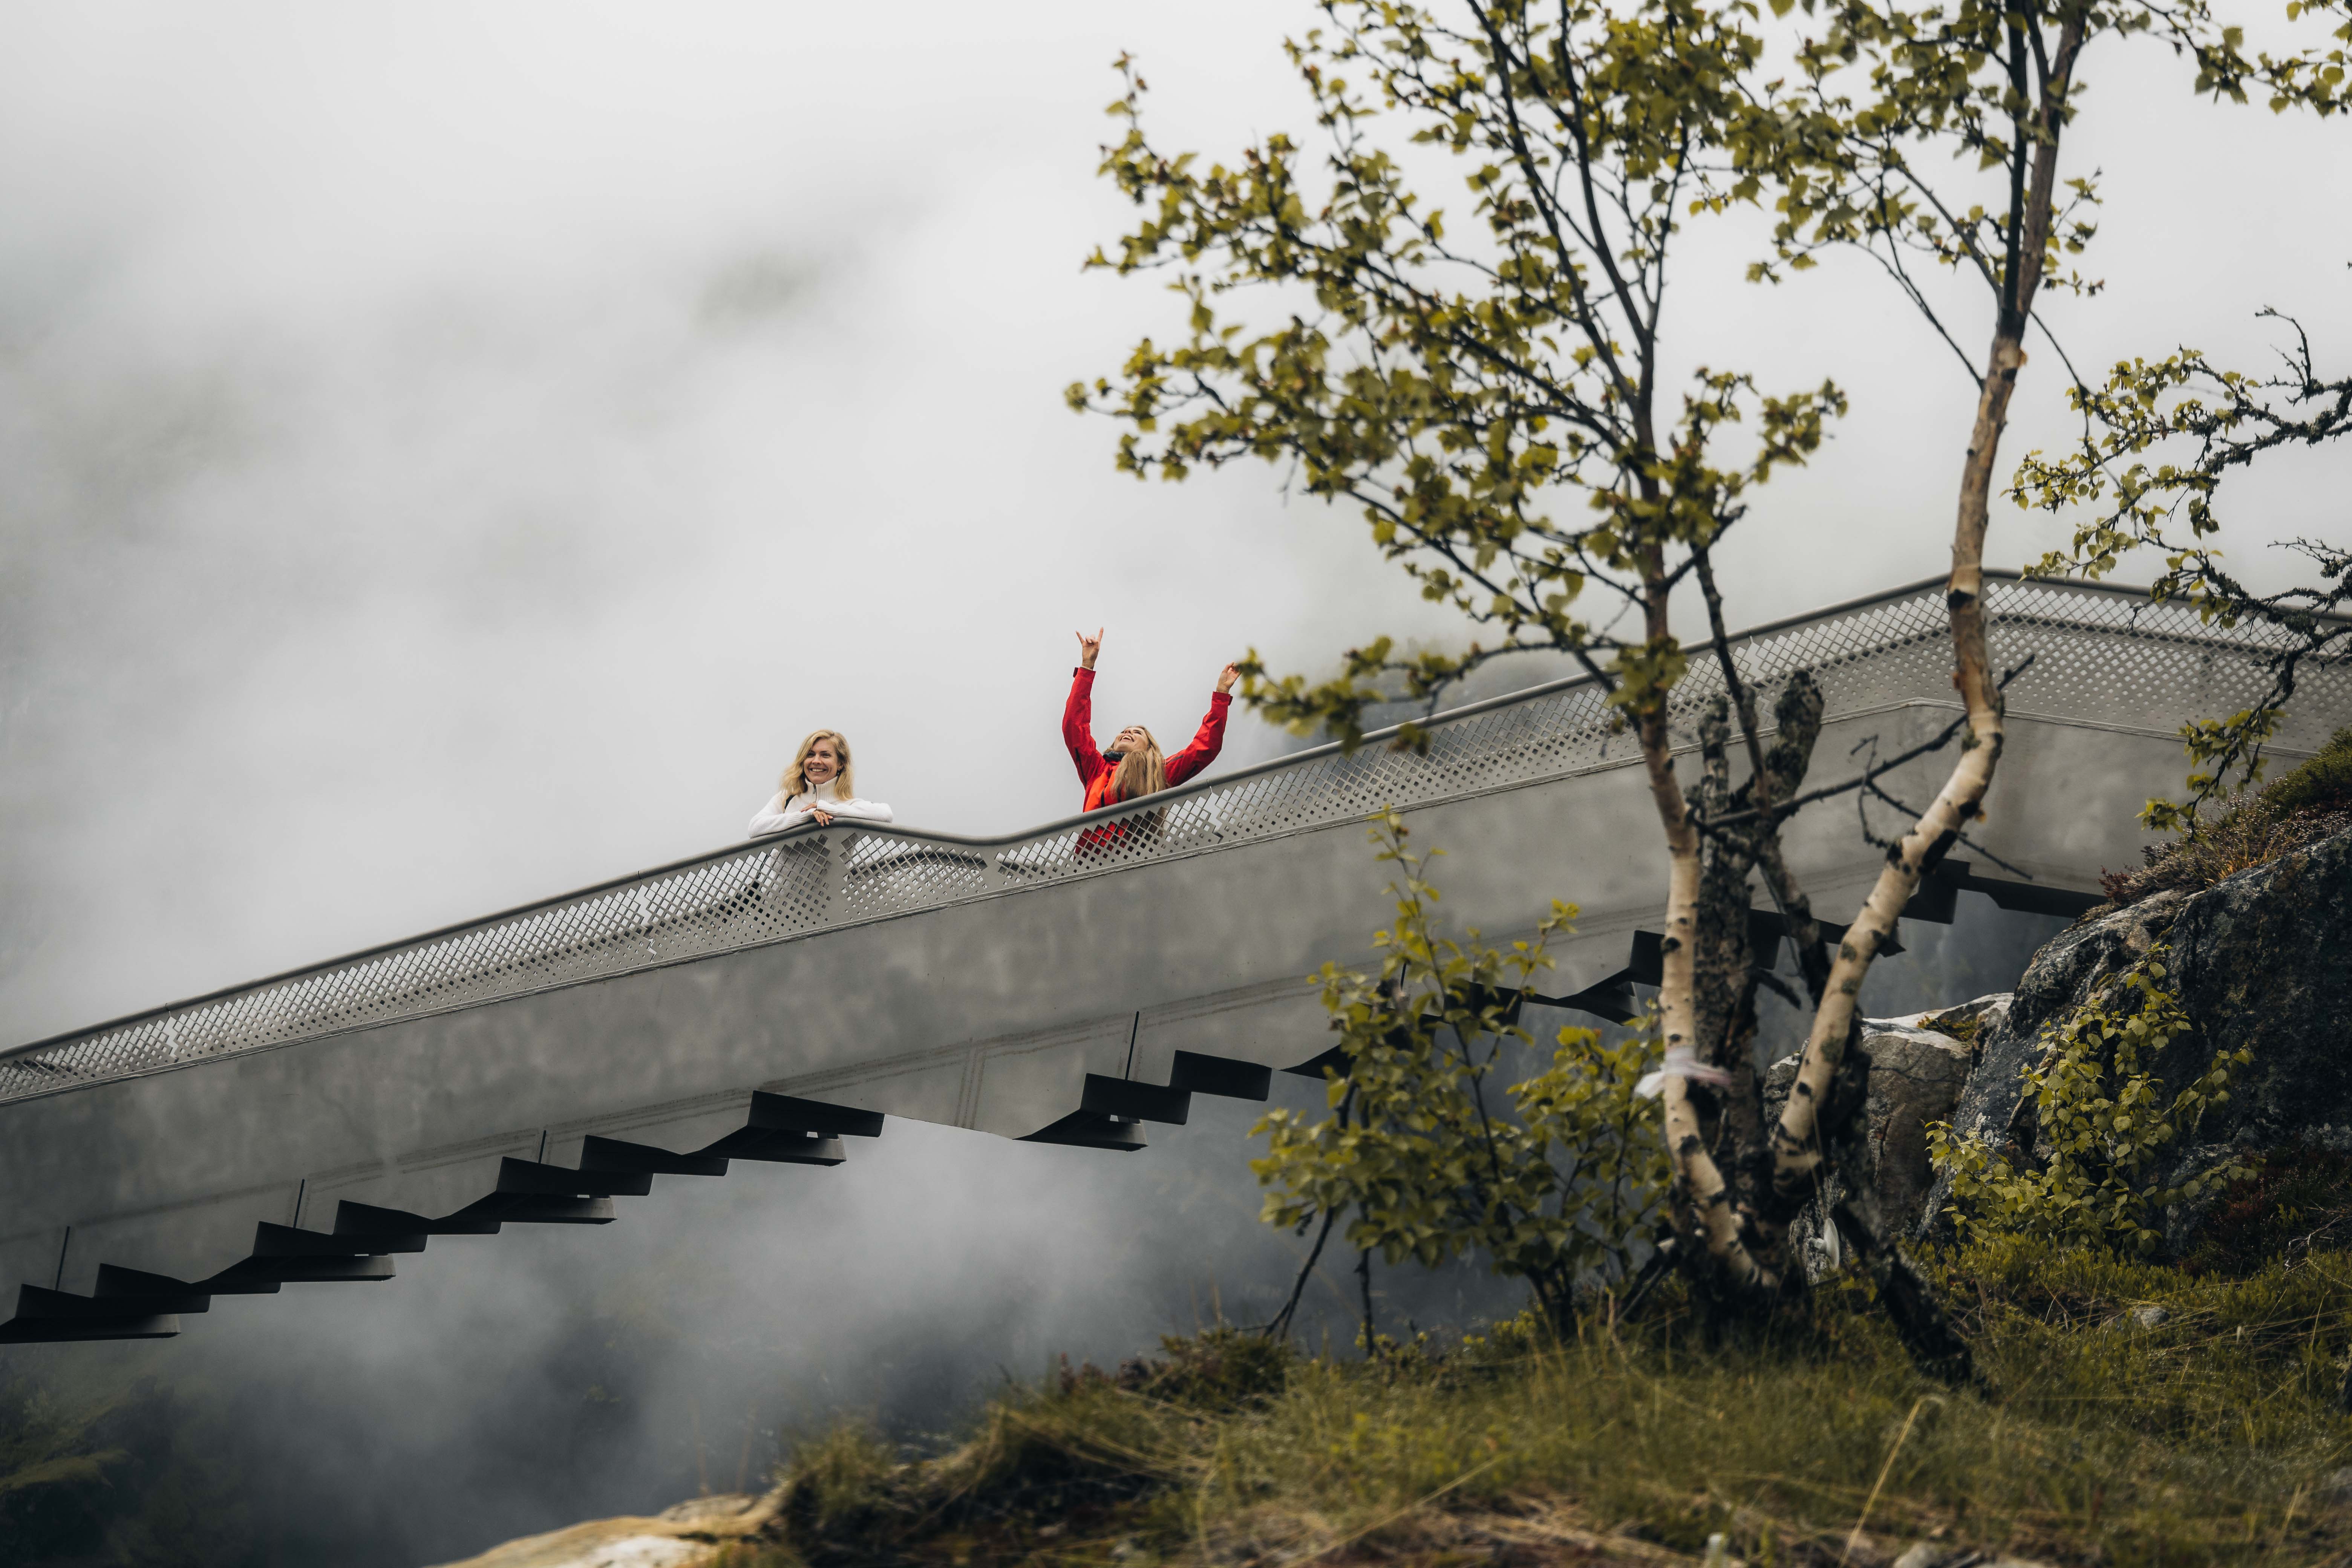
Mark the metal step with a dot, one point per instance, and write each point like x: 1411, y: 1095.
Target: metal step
x: 366, y: 1221
x: 530, y: 1177
x: 352, y: 1269
x: 783, y: 1113
x: 617, y: 1154
x: 272, y: 1241
x: 1091, y: 1130
x: 158, y: 1293
x: 779, y: 1146
x: 1125, y: 1100
x: 36, y: 1330
x: 540, y: 1208
x: 1198, y: 1074
x: 39, y: 1302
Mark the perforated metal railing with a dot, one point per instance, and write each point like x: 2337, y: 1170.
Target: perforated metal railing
x: 2100, y: 655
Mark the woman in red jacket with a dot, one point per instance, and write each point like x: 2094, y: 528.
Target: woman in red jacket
x: 1133, y: 766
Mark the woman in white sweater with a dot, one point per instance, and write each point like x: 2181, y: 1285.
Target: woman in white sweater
x: 816, y: 788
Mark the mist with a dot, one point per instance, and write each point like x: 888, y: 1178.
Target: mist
x: 449, y: 456
x: 502, y: 1386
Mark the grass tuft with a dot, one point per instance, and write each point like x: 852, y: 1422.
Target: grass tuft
x: 2249, y: 829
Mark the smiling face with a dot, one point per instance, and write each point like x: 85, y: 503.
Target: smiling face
x: 1134, y: 738
x: 822, y: 764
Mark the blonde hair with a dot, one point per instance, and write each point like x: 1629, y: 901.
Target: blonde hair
x: 795, y: 779
x: 1141, y: 772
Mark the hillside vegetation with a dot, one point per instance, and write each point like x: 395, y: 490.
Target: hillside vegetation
x: 2128, y: 1413
x: 2252, y: 827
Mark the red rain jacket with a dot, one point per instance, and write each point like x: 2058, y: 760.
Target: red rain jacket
x: 1096, y: 771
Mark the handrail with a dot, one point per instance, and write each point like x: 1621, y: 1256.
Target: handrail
x: 785, y: 886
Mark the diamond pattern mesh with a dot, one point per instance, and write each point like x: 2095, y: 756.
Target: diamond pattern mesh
x: 2098, y: 654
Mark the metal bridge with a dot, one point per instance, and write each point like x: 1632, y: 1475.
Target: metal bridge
x: 1071, y: 985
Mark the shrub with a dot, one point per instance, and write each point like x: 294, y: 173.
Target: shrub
x: 2249, y: 828
x: 2101, y: 1111
x: 2300, y: 1199
x: 1552, y: 1177
x: 2325, y: 781
x: 1224, y: 1369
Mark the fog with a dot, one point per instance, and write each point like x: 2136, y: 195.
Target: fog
x: 501, y: 1386
x: 449, y: 455
x: 504, y: 1385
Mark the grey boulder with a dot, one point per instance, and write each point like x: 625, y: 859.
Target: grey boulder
x: 2261, y: 959
x: 1916, y: 1074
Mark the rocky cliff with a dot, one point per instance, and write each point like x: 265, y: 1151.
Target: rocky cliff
x: 2261, y: 959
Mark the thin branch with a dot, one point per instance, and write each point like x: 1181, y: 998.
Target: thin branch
x: 1963, y: 840
x: 1600, y: 340
x: 1893, y: 267
x: 1760, y: 780
x: 1280, y: 1328
x: 1945, y: 738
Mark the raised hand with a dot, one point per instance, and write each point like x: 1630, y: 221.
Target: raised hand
x: 1227, y: 675
x: 1088, y: 647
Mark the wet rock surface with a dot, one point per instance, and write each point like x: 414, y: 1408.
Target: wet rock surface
x: 2264, y: 960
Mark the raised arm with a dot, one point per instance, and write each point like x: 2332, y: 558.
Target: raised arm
x: 1079, y: 713
x: 1209, y: 739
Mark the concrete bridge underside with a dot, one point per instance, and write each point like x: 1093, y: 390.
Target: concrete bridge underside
x: 1074, y: 984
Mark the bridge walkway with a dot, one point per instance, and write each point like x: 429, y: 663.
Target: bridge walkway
x: 776, y: 1001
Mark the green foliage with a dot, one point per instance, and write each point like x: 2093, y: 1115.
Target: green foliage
x: 2322, y: 783
x: 1488, y: 392
x: 2207, y: 1438
x: 1989, y: 88
x: 1490, y: 400
x: 1550, y: 1177
x: 2232, y: 833
x: 2103, y: 1111
x: 2226, y: 420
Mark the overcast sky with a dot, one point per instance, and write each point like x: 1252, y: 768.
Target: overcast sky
x: 449, y: 453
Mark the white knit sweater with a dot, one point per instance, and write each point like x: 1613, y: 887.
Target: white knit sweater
x: 780, y: 812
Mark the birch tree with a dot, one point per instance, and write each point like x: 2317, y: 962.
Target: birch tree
x: 1937, y: 136
x: 1490, y: 394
